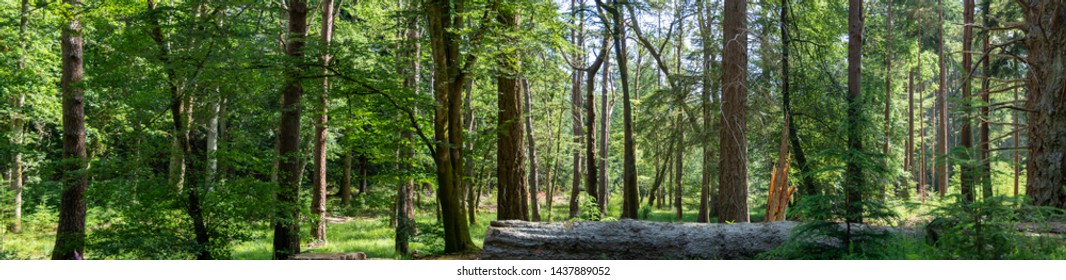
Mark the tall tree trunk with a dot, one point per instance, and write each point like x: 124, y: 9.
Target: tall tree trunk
x: 630, y: 192
x: 178, y: 106
x: 318, y: 194
x: 17, y: 122
x: 411, y: 67
x: 922, y: 175
x: 286, y: 224
x: 196, y: 158
x: 513, y: 197
x: 942, y: 100
x: 1046, y: 102
x: 575, y: 109
x: 1017, y: 145
x: 854, y: 182
x: 605, y: 125
x: 966, y: 176
x: 705, y: 107
x: 732, y: 200
x: 590, y: 121
x: 888, y: 93
x: 214, y: 107
x: 985, y: 163
x: 70, y: 233
x: 909, y: 165
x: 531, y: 149
x: 679, y: 169
x: 448, y: 79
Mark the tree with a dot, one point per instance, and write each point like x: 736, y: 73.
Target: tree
x: 318, y: 195
x: 578, y: 40
x: 966, y: 176
x: 287, y: 221
x: 853, y: 174
x: 449, y: 75
x: 1046, y: 101
x: 512, y: 199
x: 888, y: 92
x: 733, y: 167
x: 942, y: 99
x: 70, y: 234
x: 18, y: 140
x: 704, y: 20
x: 630, y: 193
x: 410, y: 67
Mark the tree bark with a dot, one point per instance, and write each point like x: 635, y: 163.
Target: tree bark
x: 346, y: 182
x: 410, y: 67
x: 1046, y: 102
x: 513, y: 197
x: 17, y: 124
x: 70, y: 233
x: 631, y: 240
x: 854, y: 182
x: 631, y: 196
x: 449, y: 76
x: 605, y: 126
x: 888, y: 94
x: 590, y: 121
x: 318, y: 197
x: 575, y: 107
x: 679, y: 169
x: 705, y: 105
x: 966, y: 176
x: 732, y: 200
x: 531, y: 149
x: 909, y: 162
x: 986, y: 164
x: 287, y: 222
x: 942, y: 100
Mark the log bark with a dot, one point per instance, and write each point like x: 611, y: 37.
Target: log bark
x: 629, y: 239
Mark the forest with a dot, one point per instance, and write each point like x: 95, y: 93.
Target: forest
x: 532, y: 129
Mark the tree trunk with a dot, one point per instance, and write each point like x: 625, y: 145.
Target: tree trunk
x: 679, y: 169
x: 921, y: 127
x: 17, y: 124
x: 286, y: 224
x: 630, y: 192
x: 705, y: 107
x: 575, y: 109
x: 909, y: 162
x: 405, y: 207
x: 985, y: 163
x: 318, y: 194
x: 448, y: 79
x: 605, y: 126
x: 888, y: 94
x: 513, y: 197
x: 531, y: 149
x: 346, y: 182
x: 1046, y: 102
x: 590, y: 122
x: 70, y: 233
x: 629, y: 240
x: 363, y: 166
x: 853, y: 174
x: 966, y: 176
x: 1017, y: 134
x: 942, y: 100
x: 732, y: 200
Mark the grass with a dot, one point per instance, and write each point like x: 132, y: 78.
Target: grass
x: 369, y: 232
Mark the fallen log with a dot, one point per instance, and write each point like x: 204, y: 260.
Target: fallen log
x: 331, y: 256
x: 631, y: 240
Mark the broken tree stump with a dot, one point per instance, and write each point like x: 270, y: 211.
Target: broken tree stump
x: 631, y: 240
